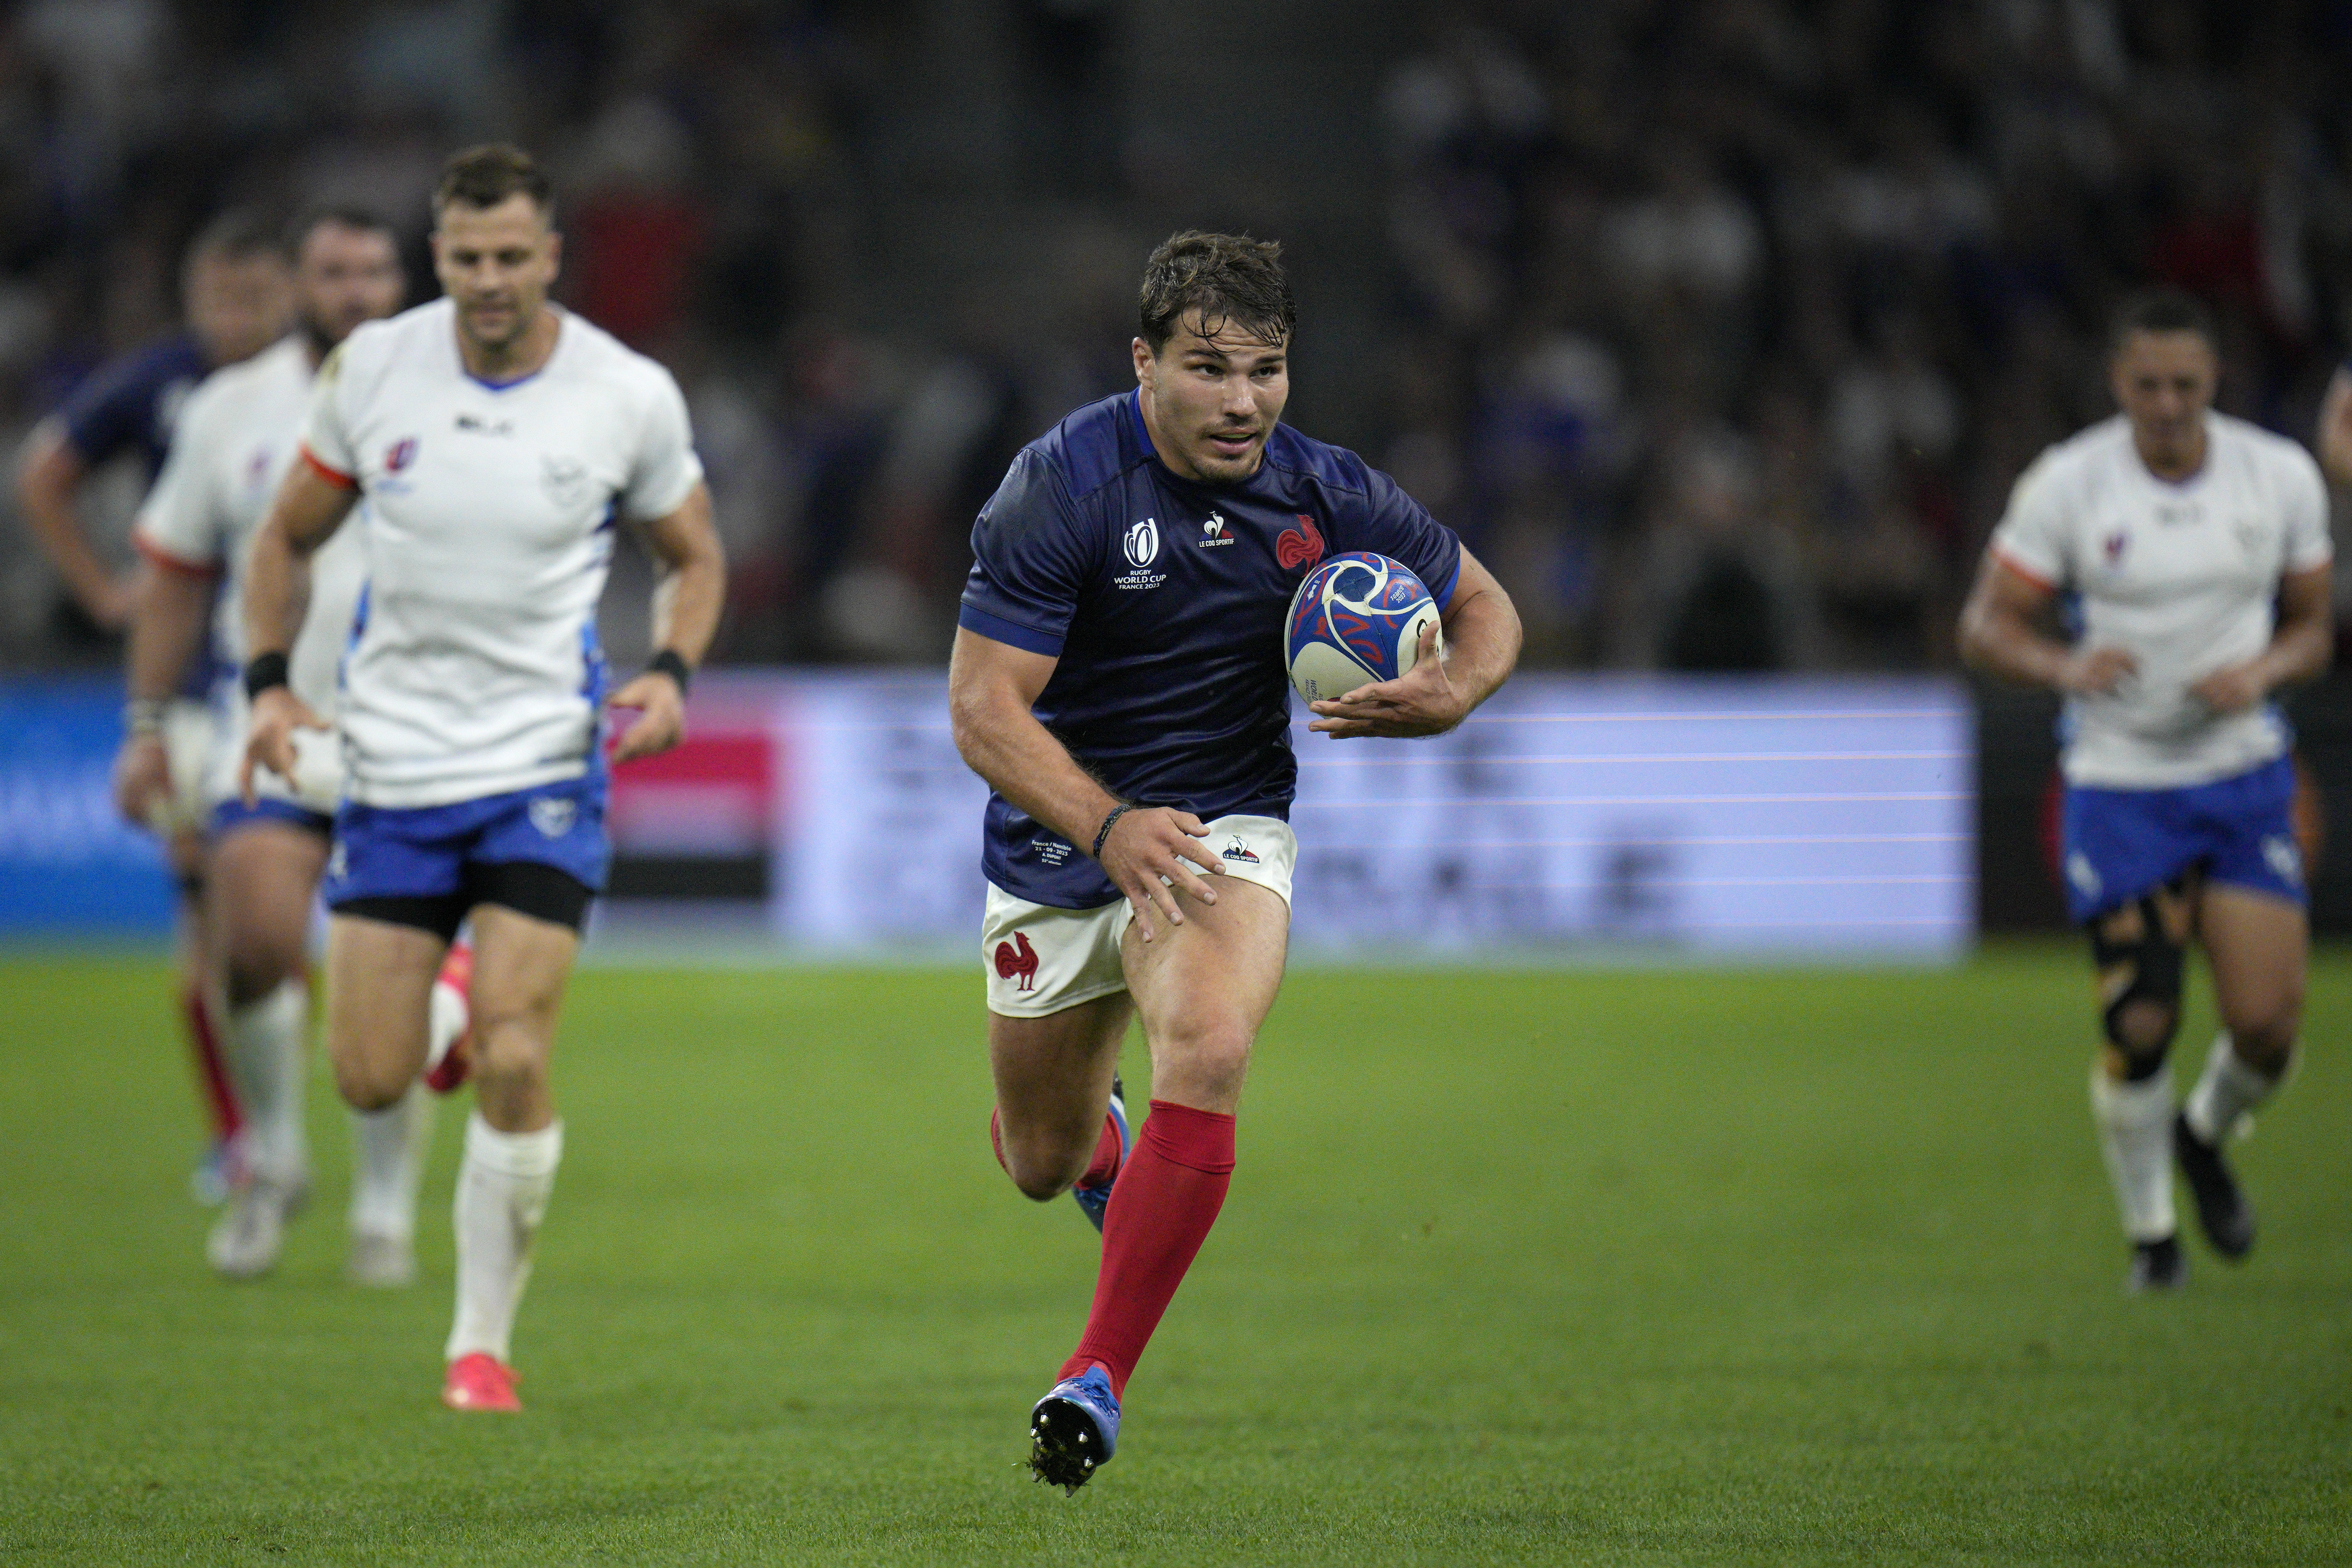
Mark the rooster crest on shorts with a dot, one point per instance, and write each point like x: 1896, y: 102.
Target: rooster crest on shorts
x: 1017, y: 960
x: 553, y: 814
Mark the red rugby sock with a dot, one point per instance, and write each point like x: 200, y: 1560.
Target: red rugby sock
x: 1160, y: 1213
x: 211, y: 1067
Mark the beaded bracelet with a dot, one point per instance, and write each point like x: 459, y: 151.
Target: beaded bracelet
x: 1102, y: 834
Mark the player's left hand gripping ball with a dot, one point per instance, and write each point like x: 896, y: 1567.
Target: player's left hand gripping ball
x: 661, y: 716
x: 1424, y: 701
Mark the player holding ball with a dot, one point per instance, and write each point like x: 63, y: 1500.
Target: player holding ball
x: 1119, y: 681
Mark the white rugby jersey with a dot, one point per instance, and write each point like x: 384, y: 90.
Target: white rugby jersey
x: 237, y: 435
x: 475, y: 669
x: 2181, y: 576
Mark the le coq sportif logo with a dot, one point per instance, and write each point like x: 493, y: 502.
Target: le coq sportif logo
x: 1143, y: 543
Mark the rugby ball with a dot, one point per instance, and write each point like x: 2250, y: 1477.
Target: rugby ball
x: 1356, y: 619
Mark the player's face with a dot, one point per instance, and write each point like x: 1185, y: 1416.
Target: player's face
x: 1212, y: 402
x: 497, y: 263
x: 344, y: 277
x: 237, y: 306
x: 2164, y: 383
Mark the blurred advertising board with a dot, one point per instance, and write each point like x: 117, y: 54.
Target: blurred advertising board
x: 829, y: 813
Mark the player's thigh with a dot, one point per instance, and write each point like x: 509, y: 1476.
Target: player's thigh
x: 379, y: 998
x: 522, y: 965
x: 1053, y: 1074
x: 258, y: 891
x: 2259, y: 947
x: 1202, y: 989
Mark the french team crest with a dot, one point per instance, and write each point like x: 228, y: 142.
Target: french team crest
x: 553, y: 815
x: 1300, y: 546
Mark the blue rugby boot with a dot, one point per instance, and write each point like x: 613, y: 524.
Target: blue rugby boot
x: 1073, y: 1430
x: 1093, y: 1201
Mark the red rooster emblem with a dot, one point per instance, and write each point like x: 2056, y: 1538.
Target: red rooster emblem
x: 1021, y: 959
x: 1293, y: 547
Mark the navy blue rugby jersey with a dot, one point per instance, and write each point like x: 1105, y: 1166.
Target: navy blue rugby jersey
x: 1164, y: 600
x: 132, y: 403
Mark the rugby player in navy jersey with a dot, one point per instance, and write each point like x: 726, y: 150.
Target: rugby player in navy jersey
x: 1118, y: 681
x: 236, y: 294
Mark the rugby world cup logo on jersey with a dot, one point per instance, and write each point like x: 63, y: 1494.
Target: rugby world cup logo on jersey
x: 1141, y: 542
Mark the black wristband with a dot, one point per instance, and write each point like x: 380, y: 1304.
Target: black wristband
x: 1102, y: 834
x: 670, y: 662
x: 264, y: 671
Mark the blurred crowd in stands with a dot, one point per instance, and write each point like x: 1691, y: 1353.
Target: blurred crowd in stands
x: 1720, y: 328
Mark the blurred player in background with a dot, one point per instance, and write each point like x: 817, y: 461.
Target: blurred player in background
x: 495, y: 440
x: 2176, y: 529
x: 234, y: 294
x: 236, y: 440
x: 1118, y: 681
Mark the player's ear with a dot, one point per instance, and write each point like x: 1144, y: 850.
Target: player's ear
x: 554, y: 254
x: 1143, y: 362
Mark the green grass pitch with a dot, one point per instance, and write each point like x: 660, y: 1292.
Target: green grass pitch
x: 1584, y: 1265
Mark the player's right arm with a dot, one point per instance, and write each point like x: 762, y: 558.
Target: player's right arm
x: 50, y: 471
x: 310, y: 505
x: 2336, y: 429
x: 178, y: 535
x: 1151, y: 853
x: 2017, y: 584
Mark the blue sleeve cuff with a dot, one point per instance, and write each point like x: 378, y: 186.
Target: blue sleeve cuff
x: 997, y: 628
x: 1444, y: 595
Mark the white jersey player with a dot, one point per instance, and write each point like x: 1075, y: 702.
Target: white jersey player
x: 238, y: 435
x: 2175, y: 529
x: 497, y: 441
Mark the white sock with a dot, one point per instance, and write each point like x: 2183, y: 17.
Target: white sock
x: 387, y: 1160
x: 267, y: 1046
x: 2226, y: 1091
x: 502, y: 1191
x: 2134, y: 1122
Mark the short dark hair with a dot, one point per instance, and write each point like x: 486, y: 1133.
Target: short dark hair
x: 486, y: 175
x: 235, y: 234
x: 1230, y: 279
x: 336, y: 214
x: 2162, y: 309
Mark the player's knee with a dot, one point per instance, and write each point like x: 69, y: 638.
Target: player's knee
x: 2265, y: 1041
x: 2139, y: 958
x: 509, y: 1054
x: 256, y: 965
x: 368, y: 1085
x: 1043, y: 1166
x: 1209, y: 1057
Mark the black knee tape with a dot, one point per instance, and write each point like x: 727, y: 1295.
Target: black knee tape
x: 2155, y: 962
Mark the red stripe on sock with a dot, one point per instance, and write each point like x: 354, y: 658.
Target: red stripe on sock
x: 1105, y: 1167
x: 1160, y: 1213
x: 211, y: 1067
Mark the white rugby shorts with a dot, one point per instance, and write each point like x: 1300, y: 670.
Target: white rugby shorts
x: 1040, y: 958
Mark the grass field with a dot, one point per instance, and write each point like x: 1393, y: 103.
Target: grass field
x: 1572, y: 1267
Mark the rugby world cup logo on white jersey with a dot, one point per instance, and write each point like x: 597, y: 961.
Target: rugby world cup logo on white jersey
x: 1143, y: 544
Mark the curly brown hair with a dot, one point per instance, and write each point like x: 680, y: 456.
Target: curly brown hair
x: 1230, y: 279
